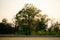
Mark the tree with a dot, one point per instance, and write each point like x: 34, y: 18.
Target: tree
x: 55, y: 27
x: 25, y: 17
x: 5, y: 27
x: 4, y: 20
x: 43, y: 23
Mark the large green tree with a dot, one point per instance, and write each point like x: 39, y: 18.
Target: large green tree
x: 24, y: 18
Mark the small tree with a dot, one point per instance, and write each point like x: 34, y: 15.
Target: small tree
x: 55, y: 27
x: 4, y: 20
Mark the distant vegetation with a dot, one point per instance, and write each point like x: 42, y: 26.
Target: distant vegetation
x: 29, y: 21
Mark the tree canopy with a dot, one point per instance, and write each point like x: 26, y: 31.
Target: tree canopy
x: 25, y: 19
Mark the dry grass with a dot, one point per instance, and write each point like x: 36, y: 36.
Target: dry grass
x: 29, y: 38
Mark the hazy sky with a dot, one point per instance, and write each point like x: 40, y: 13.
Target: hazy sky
x: 8, y: 8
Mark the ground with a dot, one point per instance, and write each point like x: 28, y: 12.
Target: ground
x: 29, y: 38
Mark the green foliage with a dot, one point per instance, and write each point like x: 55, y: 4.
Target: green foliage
x: 55, y: 27
x: 6, y: 28
x: 26, y: 23
x: 24, y: 18
x: 42, y: 25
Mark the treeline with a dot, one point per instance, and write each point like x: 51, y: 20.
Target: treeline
x: 6, y: 28
x: 30, y: 21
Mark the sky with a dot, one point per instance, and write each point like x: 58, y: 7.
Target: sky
x: 9, y: 8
